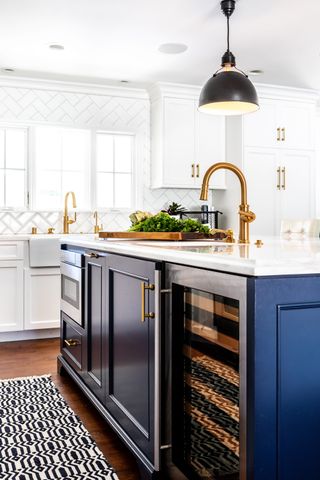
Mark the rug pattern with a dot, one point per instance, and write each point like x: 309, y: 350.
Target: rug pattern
x: 41, y: 438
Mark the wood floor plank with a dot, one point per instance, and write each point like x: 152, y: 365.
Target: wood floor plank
x: 39, y: 357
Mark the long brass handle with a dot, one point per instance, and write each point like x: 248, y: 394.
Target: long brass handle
x: 283, y: 178
x: 278, y: 134
x: 192, y: 170
x: 145, y: 287
x: 283, y: 138
x: 71, y: 342
x: 198, y: 170
x: 279, y: 178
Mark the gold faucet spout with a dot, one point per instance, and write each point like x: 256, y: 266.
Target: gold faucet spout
x: 66, y: 220
x: 245, y: 215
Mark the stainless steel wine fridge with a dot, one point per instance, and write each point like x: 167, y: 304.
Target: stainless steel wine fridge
x: 208, y: 373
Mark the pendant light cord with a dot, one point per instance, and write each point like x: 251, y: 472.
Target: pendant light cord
x: 228, y: 34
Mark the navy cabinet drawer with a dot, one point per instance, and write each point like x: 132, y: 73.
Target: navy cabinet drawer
x: 72, y: 339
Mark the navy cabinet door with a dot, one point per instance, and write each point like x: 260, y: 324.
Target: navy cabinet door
x: 95, y: 322
x: 131, y: 360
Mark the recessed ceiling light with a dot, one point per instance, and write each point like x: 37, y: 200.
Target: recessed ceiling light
x: 124, y: 81
x: 172, y: 48
x: 56, y: 46
x: 7, y: 69
x: 256, y: 72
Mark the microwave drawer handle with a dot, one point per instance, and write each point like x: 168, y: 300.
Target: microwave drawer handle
x: 92, y: 255
x: 71, y: 342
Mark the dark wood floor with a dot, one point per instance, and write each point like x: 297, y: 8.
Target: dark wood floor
x: 38, y: 357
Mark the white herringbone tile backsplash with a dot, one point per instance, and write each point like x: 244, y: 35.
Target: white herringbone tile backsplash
x: 30, y: 105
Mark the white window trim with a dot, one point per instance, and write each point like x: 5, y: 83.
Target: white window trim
x: 137, y: 168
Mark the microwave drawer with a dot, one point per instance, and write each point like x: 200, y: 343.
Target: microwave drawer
x: 72, y: 339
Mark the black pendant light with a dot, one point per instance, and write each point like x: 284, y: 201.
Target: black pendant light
x: 229, y: 91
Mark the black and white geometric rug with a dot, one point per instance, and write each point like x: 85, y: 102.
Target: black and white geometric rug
x: 41, y: 438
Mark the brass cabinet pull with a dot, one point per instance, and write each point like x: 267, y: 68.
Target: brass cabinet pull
x: 192, y: 170
x: 283, y: 138
x: 279, y: 178
x: 145, y: 287
x: 92, y: 255
x: 71, y: 342
x: 198, y: 170
x: 283, y: 178
x: 278, y: 134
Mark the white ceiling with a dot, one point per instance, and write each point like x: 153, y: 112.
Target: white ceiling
x: 118, y: 39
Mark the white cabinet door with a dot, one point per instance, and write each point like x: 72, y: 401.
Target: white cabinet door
x: 210, y: 147
x: 179, y: 148
x: 260, y: 169
x: 297, y: 185
x: 42, y: 298
x: 297, y: 124
x: 260, y: 128
x: 11, y: 296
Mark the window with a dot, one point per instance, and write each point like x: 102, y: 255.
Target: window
x: 114, y: 170
x: 62, y: 158
x: 13, y: 167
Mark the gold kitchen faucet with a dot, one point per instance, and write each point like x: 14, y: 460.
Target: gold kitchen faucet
x: 245, y: 215
x: 66, y: 220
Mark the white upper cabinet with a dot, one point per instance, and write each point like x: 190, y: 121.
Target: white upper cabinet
x: 282, y: 123
x: 184, y: 142
x: 178, y: 137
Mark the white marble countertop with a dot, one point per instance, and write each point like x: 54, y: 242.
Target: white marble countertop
x: 26, y: 236
x: 276, y: 256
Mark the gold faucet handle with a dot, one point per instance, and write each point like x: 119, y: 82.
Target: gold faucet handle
x: 72, y: 220
x: 248, y: 216
x: 51, y: 230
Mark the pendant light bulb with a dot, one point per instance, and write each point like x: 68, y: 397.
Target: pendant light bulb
x: 229, y: 91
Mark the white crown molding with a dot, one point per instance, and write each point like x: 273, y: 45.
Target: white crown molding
x: 283, y: 92
x: 73, y: 87
x: 268, y: 91
x: 174, y: 90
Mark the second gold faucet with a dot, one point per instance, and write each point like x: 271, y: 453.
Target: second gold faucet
x: 66, y: 220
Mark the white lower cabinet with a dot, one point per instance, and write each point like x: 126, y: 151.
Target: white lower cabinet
x: 11, y: 295
x: 42, y: 298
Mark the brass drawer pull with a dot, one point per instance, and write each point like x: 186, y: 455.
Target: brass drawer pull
x: 283, y: 178
x: 92, y: 255
x: 145, y: 287
x: 278, y: 134
x: 192, y: 170
x: 71, y: 342
x: 198, y: 170
x: 279, y: 178
x: 283, y: 138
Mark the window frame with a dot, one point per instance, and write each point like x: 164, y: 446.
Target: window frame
x: 26, y: 128
x: 138, y: 161
x: 136, y: 194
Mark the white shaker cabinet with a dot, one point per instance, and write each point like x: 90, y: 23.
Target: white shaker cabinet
x: 275, y: 147
x: 280, y: 186
x: 281, y: 124
x: 42, y: 298
x: 184, y: 142
x: 11, y: 286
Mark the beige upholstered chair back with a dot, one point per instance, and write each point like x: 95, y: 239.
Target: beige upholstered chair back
x: 300, y: 228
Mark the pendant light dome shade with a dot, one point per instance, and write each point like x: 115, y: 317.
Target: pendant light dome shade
x: 228, y: 93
